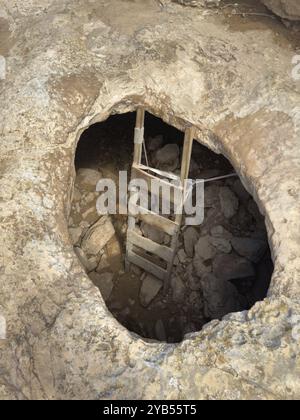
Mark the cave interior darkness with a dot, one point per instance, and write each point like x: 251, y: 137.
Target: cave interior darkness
x: 222, y: 266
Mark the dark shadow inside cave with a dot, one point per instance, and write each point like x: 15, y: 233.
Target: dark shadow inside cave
x: 223, y: 265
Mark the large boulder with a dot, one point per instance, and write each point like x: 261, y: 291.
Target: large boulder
x: 287, y: 9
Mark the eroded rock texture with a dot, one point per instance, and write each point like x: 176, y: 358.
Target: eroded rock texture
x: 288, y: 9
x: 73, y: 63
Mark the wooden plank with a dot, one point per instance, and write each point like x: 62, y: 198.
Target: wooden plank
x: 147, y: 265
x: 138, y: 173
x: 160, y: 222
x: 187, y: 153
x: 138, y: 147
x: 164, y: 174
x: 161, y: 251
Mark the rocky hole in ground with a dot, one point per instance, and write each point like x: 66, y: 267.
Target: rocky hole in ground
x: 222, y: 266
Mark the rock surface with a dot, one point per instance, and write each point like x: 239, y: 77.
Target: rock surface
x: 150, y: 288
x: 73, y: 63
x: 98, y: 236
x: 287, y: 9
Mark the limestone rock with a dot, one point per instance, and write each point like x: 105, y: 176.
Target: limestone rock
x: 190, y: 237
x: 287, y: 9
x: 220, y: 232
x: 104, y: 282
x: 220, y: 297
x: 229, y: 202
x: 221, y: 244
x: 87, y: 179
x: 204, y: 249
x: 201, y: 267
x: 151, y: 286
x: 98, y: 236
x: 231, y: 267
x: 89, y: 264
x: 178, y: 289
x: 167, y: 158
x: 252, y: 249
x: 198, y: 3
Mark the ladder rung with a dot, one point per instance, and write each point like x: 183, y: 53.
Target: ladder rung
x: 153, y: 219
x: 147, y: 265
x: 165, y: 174
x: 141, y: 174
x: 150, y: 246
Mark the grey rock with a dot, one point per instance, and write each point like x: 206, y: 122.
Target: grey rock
x: 204, y: 249
x: 190, y: 238
x: 221, y: 244
x: 154, y: 143
x: 178, y: 289
x: 220, y: 297
x: 104, y: 282
x: 229, y: 202
x: 167, y: 158
x: 252, y: 249
x: 287, y: 9
x: 150, y: 288
x: 220, y: 232
x: 231, y: 267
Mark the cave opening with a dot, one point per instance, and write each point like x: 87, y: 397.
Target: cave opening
x: 222, y: 265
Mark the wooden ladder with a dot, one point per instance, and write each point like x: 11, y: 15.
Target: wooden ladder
x: 150, y: 256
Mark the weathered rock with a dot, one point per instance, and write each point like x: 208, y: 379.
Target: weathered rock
x: 75, y: 234
x: 104, y: 282
x: 98, y: 236
x: 252, y: 249
x: 167, y: 158
x: 178, y: 289
x: 287, y: 9
x: 198, y: 3
x: 229, y: 202
x: 182, y: 256
x: 221, y: 244
x: 190, y: 238
x: 220, y: 232
x: 87, y: 179
x: 231, y: 267
x: 89, y: 264
x: 154, y: 143
x: 204, y: 249
x: 220, y: 297
x: 104, y: 263
x: 200, y: 267
x: 153, y: 233
x: 151, y: 286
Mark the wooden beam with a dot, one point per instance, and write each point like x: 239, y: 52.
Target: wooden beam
x: 161, y: 251
x: 154, y: 219
x: 147, y: 265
